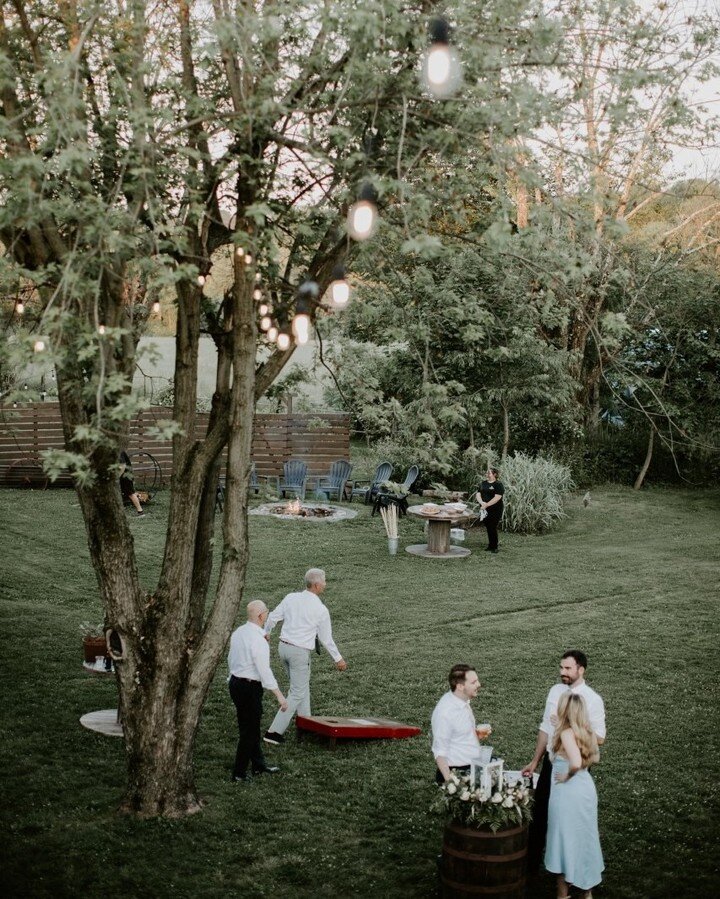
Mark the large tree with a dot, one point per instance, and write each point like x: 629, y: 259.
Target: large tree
x: 626, y: 100
x: 140, y: 142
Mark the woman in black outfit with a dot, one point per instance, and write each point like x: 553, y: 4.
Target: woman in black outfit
x: 490, y: 497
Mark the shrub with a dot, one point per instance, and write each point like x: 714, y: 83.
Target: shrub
x: 534, y: 493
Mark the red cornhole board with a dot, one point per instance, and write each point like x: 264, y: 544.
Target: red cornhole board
x: 360, y: 728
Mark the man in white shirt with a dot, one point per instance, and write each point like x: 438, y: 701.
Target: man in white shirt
x: 454, y: 734
x: 572, y: 676
x: 249, y: 664
x: 304, y: 618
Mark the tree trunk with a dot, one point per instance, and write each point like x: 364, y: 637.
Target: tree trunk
x: 506, y: 433
x: 648, y: 459
x: 592, y: 410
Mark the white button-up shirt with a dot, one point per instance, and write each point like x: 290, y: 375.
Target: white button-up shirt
x: 453, y: 731
x: 593, y: 700
x: 249, y: 655
x: 304, y: 617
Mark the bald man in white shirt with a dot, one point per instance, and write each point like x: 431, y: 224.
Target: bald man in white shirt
x: 250, y: 672
x: 572, y: 677
x: 304, y: 618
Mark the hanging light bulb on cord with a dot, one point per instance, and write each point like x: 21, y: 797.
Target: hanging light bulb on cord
x: 156, y: 307
x: 20, y: 307
x: 272, y: 333
x: 265, y: 323
x: 339, y: 288
x: 283, y: 340
x: 441, y: 72
x: 363, y: 214
x: 307, y: 295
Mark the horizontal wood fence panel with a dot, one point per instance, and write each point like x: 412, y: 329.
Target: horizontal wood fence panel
x: 318, y: 439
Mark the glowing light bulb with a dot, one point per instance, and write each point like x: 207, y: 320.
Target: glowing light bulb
x: 201, y: 280
x: 272, y: 333
x: 20, y: 307
x: 361, y: 220
x: 283, y: 340
x: 441, y: 70
x: 301, y: 328
x: 340, y: 293
x: 257, y: 294
x: 248, y: 259
x: 264, y: 309
x: 363, y: 214
x: 257, y: 276
x: 240, y: 251
x: 438, y: 65
x: 101, y: 329
x: 156, y: 307
x: 39, y: 346
x: 265, y: 323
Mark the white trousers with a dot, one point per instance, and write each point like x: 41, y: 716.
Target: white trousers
x: 297, y: 664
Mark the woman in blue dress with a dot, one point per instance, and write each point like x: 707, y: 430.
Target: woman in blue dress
x: 573, y: 843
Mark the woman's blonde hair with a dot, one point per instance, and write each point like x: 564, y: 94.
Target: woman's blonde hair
x: 573, y: 714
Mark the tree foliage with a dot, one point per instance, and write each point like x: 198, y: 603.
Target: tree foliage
x: 141, y: 143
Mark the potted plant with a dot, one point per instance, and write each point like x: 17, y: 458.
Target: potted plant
x: 486, y: 835
x: 94, y: 644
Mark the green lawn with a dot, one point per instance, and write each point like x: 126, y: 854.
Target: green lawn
x: 633, y: 580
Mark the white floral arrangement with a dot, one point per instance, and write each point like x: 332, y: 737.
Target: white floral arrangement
x: 498, y: 807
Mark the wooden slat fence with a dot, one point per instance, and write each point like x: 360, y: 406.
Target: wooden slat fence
x: 318, y: 438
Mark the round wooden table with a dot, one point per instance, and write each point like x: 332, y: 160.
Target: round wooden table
x: 438, y: 545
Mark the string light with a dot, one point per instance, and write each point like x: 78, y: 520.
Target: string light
x: 264, y: 309
x: 101, y: 329
x: 248, y: 259
x: 201, y: 280
x: 20, y: 307
x: 156, y: 307
x: 257, y: 294
x: 257, y: 276
x: 240, y: 251
x: 441, y: 71
x: 39, y: 346
x: 362, y: 215
x: 283, y: 340
x: 272, y: 333
x: 339, y: 288
x: 265, y: 323
x: 306, y: 296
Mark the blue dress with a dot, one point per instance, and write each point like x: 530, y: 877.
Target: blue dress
x: 573, y: 841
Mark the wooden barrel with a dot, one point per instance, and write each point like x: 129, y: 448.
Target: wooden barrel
x: 93, y: 647
x: 483, y: 863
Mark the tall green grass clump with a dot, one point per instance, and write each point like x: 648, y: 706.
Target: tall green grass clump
x: 534, y: 492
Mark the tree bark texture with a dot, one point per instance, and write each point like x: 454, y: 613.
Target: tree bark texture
x: 648, y: 459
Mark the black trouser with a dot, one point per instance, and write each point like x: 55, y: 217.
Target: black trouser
x: 491, y: 522
x: 247, y: 696
x: 538, y: 827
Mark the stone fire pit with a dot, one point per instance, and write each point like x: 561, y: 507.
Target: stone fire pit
x: 294, y: 510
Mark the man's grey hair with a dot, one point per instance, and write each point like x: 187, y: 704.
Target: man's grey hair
x: 314, y: 576
x: 255, y: 607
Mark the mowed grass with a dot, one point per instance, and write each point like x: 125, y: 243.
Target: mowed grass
x: 633, y: 580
